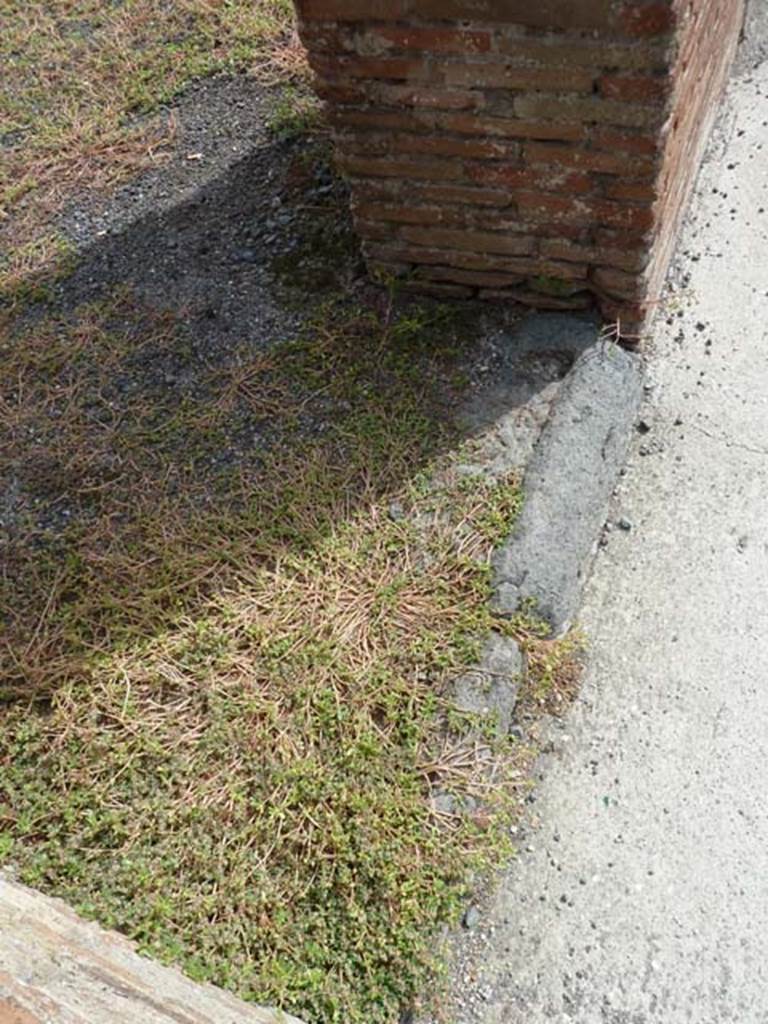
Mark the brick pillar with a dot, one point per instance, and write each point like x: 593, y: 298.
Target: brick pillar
x: 538, y: 151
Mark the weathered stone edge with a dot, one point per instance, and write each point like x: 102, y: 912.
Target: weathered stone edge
x: 564, y: 497
x: 56, y: 966
x: 568, y: 486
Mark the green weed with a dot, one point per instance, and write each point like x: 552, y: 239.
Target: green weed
x: 236, y: 653
x: 294, y: 113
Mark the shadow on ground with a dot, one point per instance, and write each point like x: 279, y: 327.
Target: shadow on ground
x: 240, y: 559
x: 212, y: 388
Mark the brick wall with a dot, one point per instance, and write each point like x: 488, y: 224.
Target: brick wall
x: 536, y: 151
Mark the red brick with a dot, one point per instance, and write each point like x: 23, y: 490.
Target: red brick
x: 569, y: 51
x: 507, y: 220
x: 353, y: 10
x: 428, y: 170
x: 635, y: 191
x: 448, y: 156
x: 465, y: 194
x: 350, y: 142
x: 475, y: 241
x: 618, y: 215
x: 617, y: 283
x: 553, y: 179
x: 323, y: 38
x: 643, y: 19
x: 524, y: 266
x: 550, y: 14
x: 384, y: 119
x: 540, y: 206
x: 507, y: 127
x: 373, y: 230
x: 490, y: 149
x: 609, y: 138
x: 423, y: 96
x: 629, y: 317
x: 333, y: 67
x: 635, y: 240
x: 579, y: 108
x: 390, y: 190
x: 476, y: 278
x: 384, y: 252
x: 634, y: 88
x: 333, y: 92
x: 624, y: 259
x: 435, y: 40
x: 497, y: 295
x: 507, y: 76
x: 398, y: 251
x: 412, y: 214
x: 586, y: 159
x: 375, y: 190
x: 380, y: 270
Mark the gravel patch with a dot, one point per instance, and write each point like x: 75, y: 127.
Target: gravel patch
x: 228, y: 233
x: 241, y: 238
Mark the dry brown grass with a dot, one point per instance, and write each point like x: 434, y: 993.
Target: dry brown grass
x: 231, y: 605
x: 243, y: 662
x: 83, y: 81
x: 233, y: 589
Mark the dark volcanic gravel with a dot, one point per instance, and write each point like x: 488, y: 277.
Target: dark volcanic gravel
x: 237, y: 232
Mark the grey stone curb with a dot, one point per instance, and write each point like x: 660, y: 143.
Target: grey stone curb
x: 567, y: 488
x: 490, y: 688
x: 568, y: 484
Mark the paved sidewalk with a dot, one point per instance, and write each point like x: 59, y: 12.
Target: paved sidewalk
x: 643, y: 895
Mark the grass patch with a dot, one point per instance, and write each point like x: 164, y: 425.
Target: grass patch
x: 235, y: 582
x: 82, y: 79
x: 246, y: 793
x: 295, y: 112
x: 27, y: 274
x: 233, y: 594
x: 553, y: 666
x: 129, y: 449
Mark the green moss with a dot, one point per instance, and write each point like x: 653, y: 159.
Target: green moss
x: 295, y: 113
x: 554, y: 286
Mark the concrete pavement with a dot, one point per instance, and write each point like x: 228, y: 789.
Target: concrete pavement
x: 642, y: 895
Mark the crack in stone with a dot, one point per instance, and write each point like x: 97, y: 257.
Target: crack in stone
x: 730, y: 443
